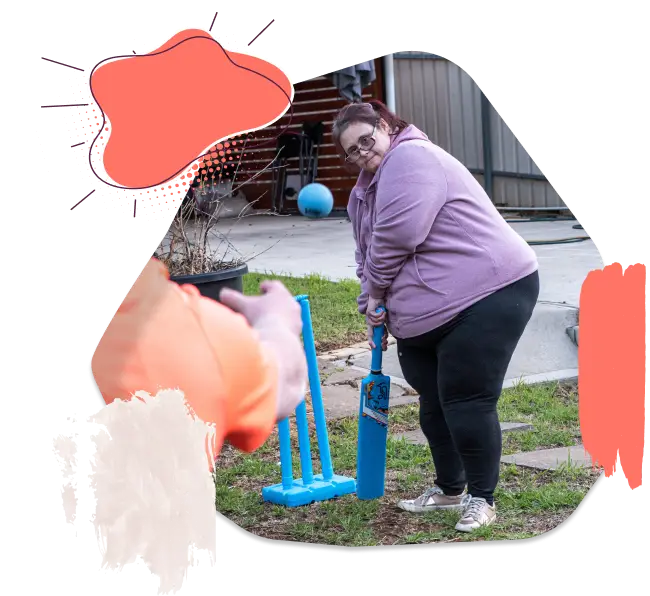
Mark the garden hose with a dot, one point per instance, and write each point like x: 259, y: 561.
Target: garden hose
x: 529, y: 219
x: 558, y: 241
x: 550, y: 242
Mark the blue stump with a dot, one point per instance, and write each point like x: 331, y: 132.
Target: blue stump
x: 309, y: 488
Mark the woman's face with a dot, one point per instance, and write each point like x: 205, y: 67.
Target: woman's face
x: 365, y: 145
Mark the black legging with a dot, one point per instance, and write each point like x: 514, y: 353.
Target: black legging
x: 458, y: 370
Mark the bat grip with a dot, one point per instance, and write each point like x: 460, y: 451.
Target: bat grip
x: 377, y: 336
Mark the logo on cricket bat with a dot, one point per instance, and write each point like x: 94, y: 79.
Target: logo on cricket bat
x: 375, y: 401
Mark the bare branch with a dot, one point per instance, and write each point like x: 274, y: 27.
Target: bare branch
x: 188, y: 247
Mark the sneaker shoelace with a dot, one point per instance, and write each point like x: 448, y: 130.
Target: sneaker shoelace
x: 430, y: 492
x: 474, y: 507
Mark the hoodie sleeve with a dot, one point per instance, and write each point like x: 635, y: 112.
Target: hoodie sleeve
x: 169, y: 336
x: 362, y: 300
x: 410, y: 193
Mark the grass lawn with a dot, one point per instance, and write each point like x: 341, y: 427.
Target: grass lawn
x: 528, y: 502
x: 335, y: 318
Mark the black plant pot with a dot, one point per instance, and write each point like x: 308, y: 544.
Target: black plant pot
x: 210, y: 284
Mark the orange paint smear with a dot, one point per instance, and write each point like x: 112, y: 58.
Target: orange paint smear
x: 166, y: 109
x: 611, y: 360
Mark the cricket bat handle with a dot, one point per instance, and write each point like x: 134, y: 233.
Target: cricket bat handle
x: 377, y: 337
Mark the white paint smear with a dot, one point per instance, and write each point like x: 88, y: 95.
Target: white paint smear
x: 65, y: 449
x: 151, y: 501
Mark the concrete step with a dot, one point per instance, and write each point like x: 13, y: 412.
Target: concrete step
x: 545, y: 346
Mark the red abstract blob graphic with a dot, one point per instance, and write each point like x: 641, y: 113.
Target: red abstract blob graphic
x: 169, y: 107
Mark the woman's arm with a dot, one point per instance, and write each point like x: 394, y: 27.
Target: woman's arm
x: 410, y: 193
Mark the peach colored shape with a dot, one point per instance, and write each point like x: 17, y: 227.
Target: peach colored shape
x: 169, y: 106
x: 611, y: 359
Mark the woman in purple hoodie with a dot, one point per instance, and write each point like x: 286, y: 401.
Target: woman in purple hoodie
x: 458, y: 285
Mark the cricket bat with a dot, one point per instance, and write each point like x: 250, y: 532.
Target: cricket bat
x: 373, y: 426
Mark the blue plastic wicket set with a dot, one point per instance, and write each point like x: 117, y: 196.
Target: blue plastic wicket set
x: 373, y: 424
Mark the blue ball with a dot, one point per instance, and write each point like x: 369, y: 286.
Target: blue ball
x: 315, y: 200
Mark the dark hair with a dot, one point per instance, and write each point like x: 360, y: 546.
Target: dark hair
x: 370, y: 113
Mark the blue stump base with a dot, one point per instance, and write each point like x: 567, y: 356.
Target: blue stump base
x: 301, y: 494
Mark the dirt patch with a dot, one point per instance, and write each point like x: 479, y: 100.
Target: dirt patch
x: 403, y: 427
x: 227, y: 457
x: 404, y: 419
x: 324, y: 346
x: 567, y: 393
x: 392, y: 524
x: 539, y: 524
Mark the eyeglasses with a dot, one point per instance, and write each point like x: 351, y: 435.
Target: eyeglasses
x: 365, y: 143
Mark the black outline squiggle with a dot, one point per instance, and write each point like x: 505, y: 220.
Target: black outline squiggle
x: 92, y: 143
x: 92, y: 147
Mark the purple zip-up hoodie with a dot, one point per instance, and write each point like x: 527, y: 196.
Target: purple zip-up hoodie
x: 430, y: 243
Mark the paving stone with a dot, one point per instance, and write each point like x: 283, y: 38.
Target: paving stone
x: 344, y: 353
x: 351, y: 351
x: 550, y: 459
x: 341, y: 401
x: 515, y: 426
x: 346, y: 375
x: 416, y: 437
x: 326, y: 366
x: 399, y: 397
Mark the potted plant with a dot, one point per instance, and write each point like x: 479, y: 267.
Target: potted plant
x: 194, y: 250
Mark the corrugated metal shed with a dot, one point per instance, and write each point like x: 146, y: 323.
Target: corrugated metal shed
x: 442, y: 99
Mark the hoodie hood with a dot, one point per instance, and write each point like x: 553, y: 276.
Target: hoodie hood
x: 410, y: 133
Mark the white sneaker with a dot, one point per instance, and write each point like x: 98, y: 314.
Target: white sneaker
x: 477, y: 513
x: 433, y: 500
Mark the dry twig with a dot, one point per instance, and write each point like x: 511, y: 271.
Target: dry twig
x: 187, y: 248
